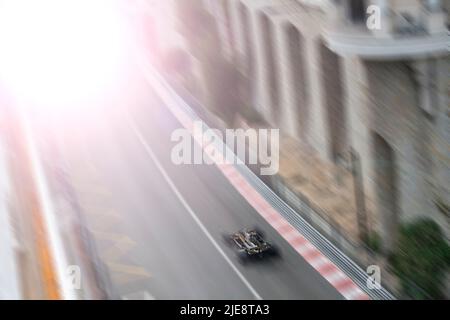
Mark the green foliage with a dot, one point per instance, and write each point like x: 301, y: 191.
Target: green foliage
x: 421, y: 260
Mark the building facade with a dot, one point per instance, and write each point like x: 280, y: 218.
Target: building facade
x: 368, y: 77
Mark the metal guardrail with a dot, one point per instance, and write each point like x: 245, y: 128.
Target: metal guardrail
x: 79, y: 243
x: 343, y: 262
x: 317, y: 239
x: 315, y: 216
x: 102, y: 287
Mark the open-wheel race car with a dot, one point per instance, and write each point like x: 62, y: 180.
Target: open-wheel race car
x: 250, y: 245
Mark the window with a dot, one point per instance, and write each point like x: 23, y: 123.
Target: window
x: 357, y: 10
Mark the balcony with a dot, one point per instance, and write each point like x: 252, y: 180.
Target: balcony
x: 402, y: 36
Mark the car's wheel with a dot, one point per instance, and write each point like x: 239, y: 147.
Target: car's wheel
x: 242, y: 258
x: 259, y: 231
x: 227, y: 240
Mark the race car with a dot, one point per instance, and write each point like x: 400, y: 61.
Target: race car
x: 251, y: 245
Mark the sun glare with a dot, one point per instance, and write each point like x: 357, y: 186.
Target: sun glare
x: 60, y: 51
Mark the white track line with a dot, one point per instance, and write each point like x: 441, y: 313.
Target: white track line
x: 188, y: 208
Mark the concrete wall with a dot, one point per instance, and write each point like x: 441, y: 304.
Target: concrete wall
x: 263, y: 101
x: 440, y: 137
x: 10, y: 282
x: 393, y: 112
x: 304, y: 122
